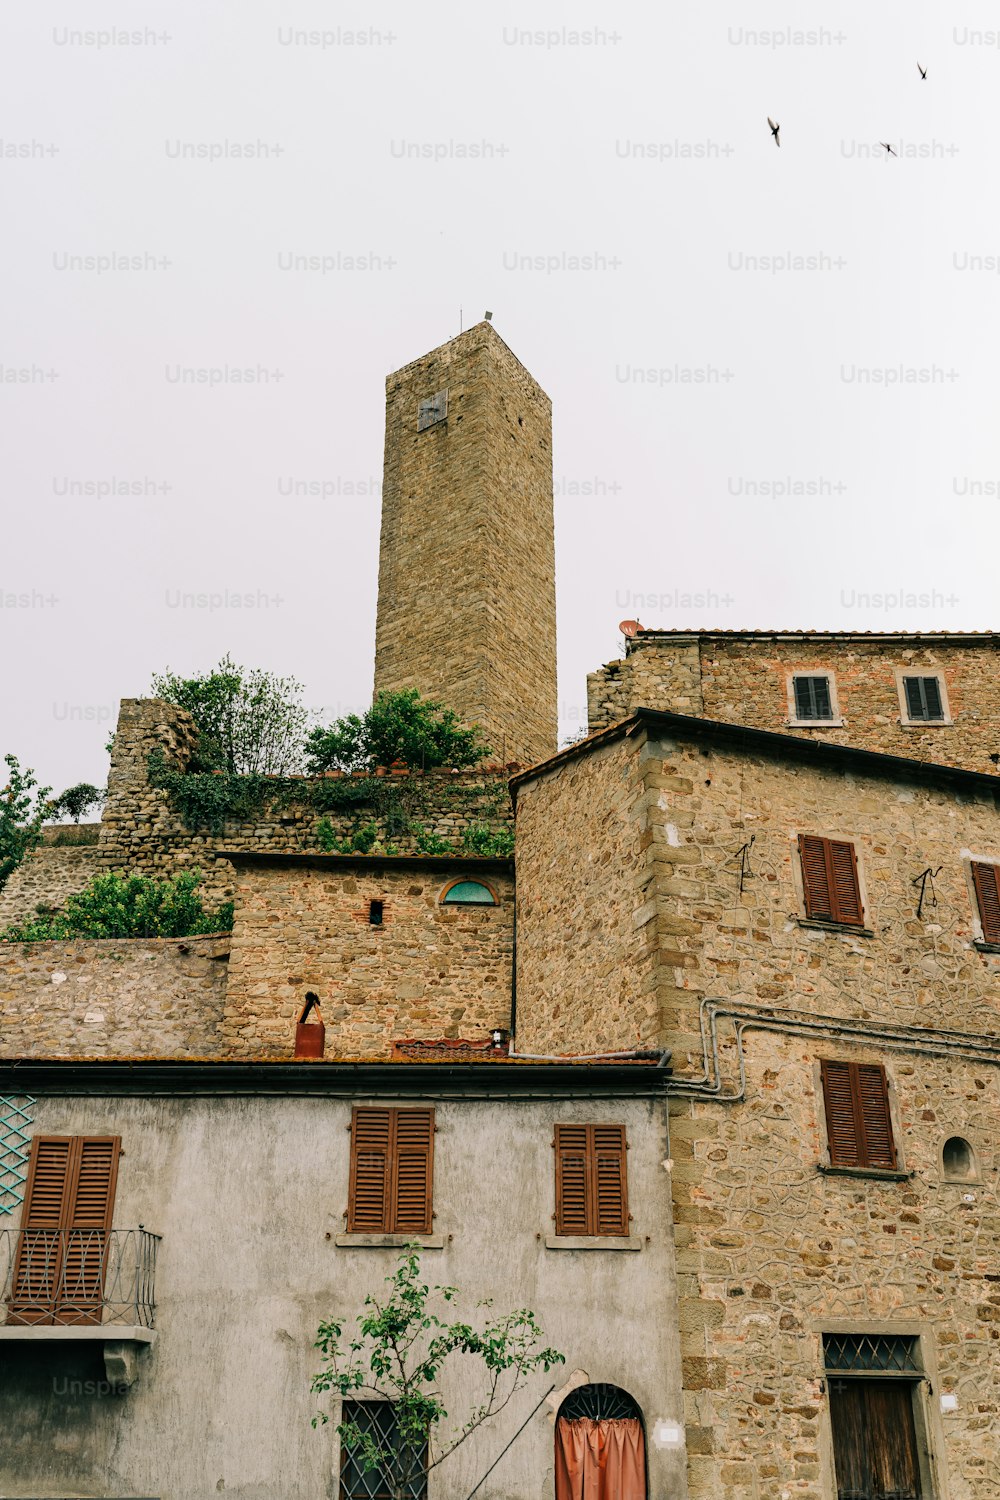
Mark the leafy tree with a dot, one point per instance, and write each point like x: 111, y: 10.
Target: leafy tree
x: 398, y: 1354
x: 76, y: 800
x: 249, y: 722
x: 21, y: 816
x: 398, y: 726
x: 128, y: 906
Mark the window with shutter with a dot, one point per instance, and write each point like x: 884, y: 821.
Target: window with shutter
x: 62, y: 1250
x: 924, y: 699
x: 986, y: 879
x: 391, y: 1171
x: 813, y: 699
x: 858, y: 1121
x: 591, y: 1180
x: 830, y: 881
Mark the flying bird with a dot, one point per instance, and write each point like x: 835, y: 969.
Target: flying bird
x: 921, y: 71
x: 774, y: 130
x: 887, y: 147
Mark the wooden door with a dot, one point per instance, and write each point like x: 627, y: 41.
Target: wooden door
x: 874, y: 1439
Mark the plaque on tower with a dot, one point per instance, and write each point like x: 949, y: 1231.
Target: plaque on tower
x: 432, y: 409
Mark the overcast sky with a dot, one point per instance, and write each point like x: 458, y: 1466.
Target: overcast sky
x: 604, y: 180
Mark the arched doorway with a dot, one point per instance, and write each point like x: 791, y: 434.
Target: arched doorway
x: 600, y: 1446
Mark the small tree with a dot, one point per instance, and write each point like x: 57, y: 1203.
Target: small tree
x: 398, y: 1354
x: 398, y: 726
x: 21, y: 816
x: 76, y: 800
x: 116, y: 905
x: 249, y: 722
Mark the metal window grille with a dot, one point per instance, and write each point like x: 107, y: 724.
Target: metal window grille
x: 600, y: 1402
x: 812, y: 698
x: 871, y: 1354
x: 15, y: 1148
x: 923, y: 698
x: 377, y: 1421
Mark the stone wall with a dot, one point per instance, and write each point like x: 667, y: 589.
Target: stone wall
x: 137, y: 998
x: 427, y: 971
x: 466, y: 599
x: 45, y: 878
x: 743, y: 679
x: 585, y: 962
x: 771, y: 1253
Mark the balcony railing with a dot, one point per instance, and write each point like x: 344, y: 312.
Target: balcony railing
x: 74, y: 1277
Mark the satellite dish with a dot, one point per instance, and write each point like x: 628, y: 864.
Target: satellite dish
x: 629, y: 627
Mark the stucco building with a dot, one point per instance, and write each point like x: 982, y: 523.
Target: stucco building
x: 704, y: 1071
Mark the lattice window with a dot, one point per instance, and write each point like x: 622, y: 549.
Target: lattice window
x: 600, y: 1402
x: 871, y: 1354
x: 16, y: 1120
x: 377, y: 1420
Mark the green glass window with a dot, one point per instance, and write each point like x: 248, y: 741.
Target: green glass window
x: 469, y: 893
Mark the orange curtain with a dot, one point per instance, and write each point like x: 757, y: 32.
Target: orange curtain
x: 600, y: 1460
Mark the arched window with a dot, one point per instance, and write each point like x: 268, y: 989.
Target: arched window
x: 958, y: 1160
x: 600, y: 1445
x: 468, y: 893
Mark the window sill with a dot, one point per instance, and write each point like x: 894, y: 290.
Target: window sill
x: 388, y: 1241
x: 847, y: 927
x: 593, y: 1242
x: 927, y: 723
x: 880, y: 1174
x: 982, y: 947
x: 814, y: 723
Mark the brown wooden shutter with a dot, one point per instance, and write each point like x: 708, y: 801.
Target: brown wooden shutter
x: 68, y: 1204
x: 859, y: 1124
x: 368, y: 1202
x: 841, y: 1118
x: 873, y: 1096
x: 412, y: 1169
x: 392, y: 1154
x: 572, y: 1179
x: 591, y: 1180
x: 610, y: 1180
x: 830, y: 880
x: 988, y: 895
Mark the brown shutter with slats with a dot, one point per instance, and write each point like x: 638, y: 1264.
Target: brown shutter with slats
x: 610, y: 1180
x: 413, y: 1166
x: 369, y: 1193
x: 988, y: 895
x: 68, y: 1203
x: 859, y: 1125
x: 391, y: 1171
x: 591, y: 1180
x: 830, y: 880
x: 572, y: 1178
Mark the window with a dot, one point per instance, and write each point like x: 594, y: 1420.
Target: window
x: 924, y: 699
x: 62, y: 1247
x: 873, y: 1385
x: 600, y: 1445
x: 958, y: 1160
x: 858, y: 1122
x: 376, y: 911
x: 591, y: 1180
x: 813, y: 699
x: 392, y: 1154
x: 830, y: 883
x: 986, y: 879
x: 468, y: 893
x: 402, y: 1470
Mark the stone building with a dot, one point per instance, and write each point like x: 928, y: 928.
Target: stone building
x: 749, y: 934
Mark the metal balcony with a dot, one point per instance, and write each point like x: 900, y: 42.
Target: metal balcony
x: 74, y: 1277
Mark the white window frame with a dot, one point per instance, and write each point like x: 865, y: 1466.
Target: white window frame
x: 904, y: 713
x: 835, y: 721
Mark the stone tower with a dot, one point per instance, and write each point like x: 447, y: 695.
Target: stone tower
x: 466, y: 587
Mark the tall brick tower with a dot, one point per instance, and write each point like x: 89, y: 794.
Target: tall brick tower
x: 466, y: 586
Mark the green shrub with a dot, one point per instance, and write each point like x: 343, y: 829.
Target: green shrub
x: 489, y: 843
x: 398, y: 727
x: 117, y: 905
x: 21, y: 816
